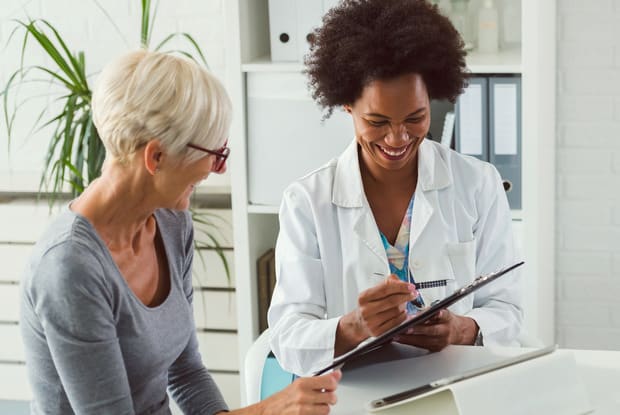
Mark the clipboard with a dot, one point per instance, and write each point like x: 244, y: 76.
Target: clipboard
x: 381, y: 403
x: 419, y: 318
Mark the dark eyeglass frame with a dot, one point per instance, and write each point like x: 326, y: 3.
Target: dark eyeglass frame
x: 220, y: 154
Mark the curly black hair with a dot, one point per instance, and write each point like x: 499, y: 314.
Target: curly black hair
x: 365, y: 40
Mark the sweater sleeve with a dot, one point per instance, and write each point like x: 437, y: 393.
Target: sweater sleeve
x: 189, y: 382
x: 69, y: 296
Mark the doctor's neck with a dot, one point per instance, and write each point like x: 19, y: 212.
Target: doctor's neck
x: 392, y: 177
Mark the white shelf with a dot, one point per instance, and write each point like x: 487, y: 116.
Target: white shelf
x: 264, y: 209
x: 264, y: 64
x: 505, y: 61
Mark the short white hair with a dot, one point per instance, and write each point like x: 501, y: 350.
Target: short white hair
x: 147, y: 95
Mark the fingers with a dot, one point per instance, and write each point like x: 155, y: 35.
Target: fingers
x: 385, y: 305
x: 327, y: 382
x: 318, y: 390
x: 391, y: 287
x: 433, y: 335
x: 387, y: 319
x: 386, y: 295
x: 311, y: 396
x: 375, y: 322
x: 430, y: 343
x: 443, y: 316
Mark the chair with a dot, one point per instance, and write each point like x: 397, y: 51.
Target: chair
x: 263, y: 374
x: 15, y: 407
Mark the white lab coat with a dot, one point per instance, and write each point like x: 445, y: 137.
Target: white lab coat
x: 329, y: 246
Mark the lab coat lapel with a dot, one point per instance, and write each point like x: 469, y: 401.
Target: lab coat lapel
x: 422, y: 212
x: 433, y: 175
x: 365, y: 228
x: 349, y: 193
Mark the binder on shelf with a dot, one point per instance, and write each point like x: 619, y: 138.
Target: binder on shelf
x: 505, y: 134
x: 447, y: 134
x: 471, y: 132
x: 271, y: 264
x: 265, y: 273
x: 309, y: 13
x: 291, y: 23
x: 283, y: 30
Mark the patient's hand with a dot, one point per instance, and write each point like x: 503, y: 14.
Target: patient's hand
x: 314, y: 395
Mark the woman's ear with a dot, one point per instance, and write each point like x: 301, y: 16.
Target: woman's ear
x: 153, y: 156
x: 347, y: 108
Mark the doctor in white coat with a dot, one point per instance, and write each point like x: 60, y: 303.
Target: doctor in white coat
x: 394, y: 203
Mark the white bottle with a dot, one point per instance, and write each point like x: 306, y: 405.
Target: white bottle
x: 488, y: 31
x: 510, y: 24
x: 445, y: 7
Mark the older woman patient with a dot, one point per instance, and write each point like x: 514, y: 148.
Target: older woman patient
x: 107, y: 296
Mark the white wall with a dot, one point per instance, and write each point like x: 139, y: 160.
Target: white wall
x: 86, y: 28
x: 588, y: 174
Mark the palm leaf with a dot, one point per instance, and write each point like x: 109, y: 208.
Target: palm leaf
x: 107, y: 15
x: 190, y: 39
x: 51, y: 50
x: 146, y: 20
x: 80, y: 76
x: 75, y: 154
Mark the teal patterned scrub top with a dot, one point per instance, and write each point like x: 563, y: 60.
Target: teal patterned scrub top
x: 398, y: 254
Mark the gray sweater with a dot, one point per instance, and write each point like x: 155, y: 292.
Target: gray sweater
x: 92, y: 347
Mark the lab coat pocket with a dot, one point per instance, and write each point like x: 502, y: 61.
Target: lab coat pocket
x: 434, y: 278
x: 463, y: 260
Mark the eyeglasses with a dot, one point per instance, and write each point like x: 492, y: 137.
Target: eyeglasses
x: 220, y: 154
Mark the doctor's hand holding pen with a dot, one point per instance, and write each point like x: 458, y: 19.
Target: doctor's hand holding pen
x: 379, y: 309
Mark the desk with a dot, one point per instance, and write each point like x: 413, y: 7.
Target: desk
x: 600, y: 371
x: 398, y: 367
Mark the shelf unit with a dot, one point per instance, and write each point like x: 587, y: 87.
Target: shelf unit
x: 504, y: 62
x: 256, y: 226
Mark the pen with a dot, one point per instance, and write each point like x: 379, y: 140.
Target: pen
x: 416, y: 302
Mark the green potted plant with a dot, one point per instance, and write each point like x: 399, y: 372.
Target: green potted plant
x: 75, y: 153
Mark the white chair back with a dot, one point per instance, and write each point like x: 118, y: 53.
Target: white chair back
x: 254, y: 364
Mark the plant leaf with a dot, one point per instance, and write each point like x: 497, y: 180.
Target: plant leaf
x: 144, y: 27
x: 77, y: 69
x: 49, y: 48
x: 118, y: 30
x: 190, y: 39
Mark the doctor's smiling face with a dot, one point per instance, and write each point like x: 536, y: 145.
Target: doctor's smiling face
x: 391, y: 118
